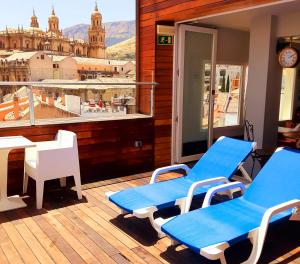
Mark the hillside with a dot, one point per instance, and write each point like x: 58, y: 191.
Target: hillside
x: 115, y: 31
x: 123, y: 50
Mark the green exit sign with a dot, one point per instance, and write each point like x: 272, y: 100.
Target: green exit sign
x: 165, y: 40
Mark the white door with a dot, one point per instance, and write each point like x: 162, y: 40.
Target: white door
x: 193, y: 89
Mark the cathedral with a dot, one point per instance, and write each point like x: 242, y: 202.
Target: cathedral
x: 52, y: 41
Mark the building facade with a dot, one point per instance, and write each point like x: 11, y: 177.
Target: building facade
x: 90, y: 68
x: 52, y: 40
x: 26, y: 66
x: 40, y: 65
x: 37, y: 66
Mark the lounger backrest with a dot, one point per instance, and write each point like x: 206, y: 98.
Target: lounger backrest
x: 221, y: 159
x: 278, y: 181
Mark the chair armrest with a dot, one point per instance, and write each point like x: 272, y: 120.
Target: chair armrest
x: 30, y: 153
x: 159, y: 171
x: 46, y: 145
x: 196, y: 185
x: 260, y: 234
x: 220, y: 188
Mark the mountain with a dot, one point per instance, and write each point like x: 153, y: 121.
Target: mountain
x: 115, y: 31
x: 119, y: 31
x: 124, y: 50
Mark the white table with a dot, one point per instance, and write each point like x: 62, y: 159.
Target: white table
x: 6, y: 145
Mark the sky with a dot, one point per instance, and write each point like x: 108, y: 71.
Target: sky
x: 70, y: 12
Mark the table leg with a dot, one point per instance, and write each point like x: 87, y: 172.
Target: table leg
x: 3, y: 173
x: 7, y: 203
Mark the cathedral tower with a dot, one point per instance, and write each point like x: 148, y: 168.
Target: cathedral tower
x: 53, y: 23
x: 34, y: 21
x: 96, y: 35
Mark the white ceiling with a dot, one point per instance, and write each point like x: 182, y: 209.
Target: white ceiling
x: 241, y: 19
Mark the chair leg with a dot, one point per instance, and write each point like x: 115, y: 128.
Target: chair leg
x: 39, y: 194
x: 223, y: 259
x: 63, y: 182
x: 78, y: 185
x: 25, y: 182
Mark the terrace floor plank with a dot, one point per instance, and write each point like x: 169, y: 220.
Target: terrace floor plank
x: 93, y: 231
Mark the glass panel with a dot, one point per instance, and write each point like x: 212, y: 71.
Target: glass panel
x: 83, y: 101
x: 227, y: 95
x: 196, y: 88
x: 83, y: 46
x: 14, y: 105
x: 287, y: 93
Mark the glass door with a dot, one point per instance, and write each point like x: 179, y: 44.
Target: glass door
x: 194, y: 103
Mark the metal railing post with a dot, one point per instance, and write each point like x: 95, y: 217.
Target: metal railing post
x: 31, y: 106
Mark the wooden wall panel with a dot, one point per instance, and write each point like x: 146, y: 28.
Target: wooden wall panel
x: 160, y: 58
x: 106, y: 148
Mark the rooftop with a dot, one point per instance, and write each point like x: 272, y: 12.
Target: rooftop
x: 93, y: 61
x: 21, y: 55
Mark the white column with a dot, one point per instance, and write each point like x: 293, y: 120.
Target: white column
x: 264, y: 81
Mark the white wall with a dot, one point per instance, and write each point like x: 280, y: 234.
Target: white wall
x: 264, y: 81
x: 288, y: 25
x: 233, y: 46
x: 68, y: 69
x: 73, y: 103
x: 40, y: 69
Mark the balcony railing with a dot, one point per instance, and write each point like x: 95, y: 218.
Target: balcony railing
x: 46, y: 102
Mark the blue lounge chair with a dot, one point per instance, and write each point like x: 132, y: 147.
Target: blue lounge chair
x: 274, y: 195
x: 215, y: 167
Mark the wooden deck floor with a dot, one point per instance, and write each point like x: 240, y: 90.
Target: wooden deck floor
x: 91, y: 231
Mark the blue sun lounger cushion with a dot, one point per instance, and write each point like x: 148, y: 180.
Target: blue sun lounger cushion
x: 222, y: 159
x: 232, y: 221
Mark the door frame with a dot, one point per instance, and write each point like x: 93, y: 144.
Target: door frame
x: 178, y: 82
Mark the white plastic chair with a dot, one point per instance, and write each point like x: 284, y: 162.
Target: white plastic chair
x: 52, y: 160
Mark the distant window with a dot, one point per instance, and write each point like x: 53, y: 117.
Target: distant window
x: 42, y: 57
